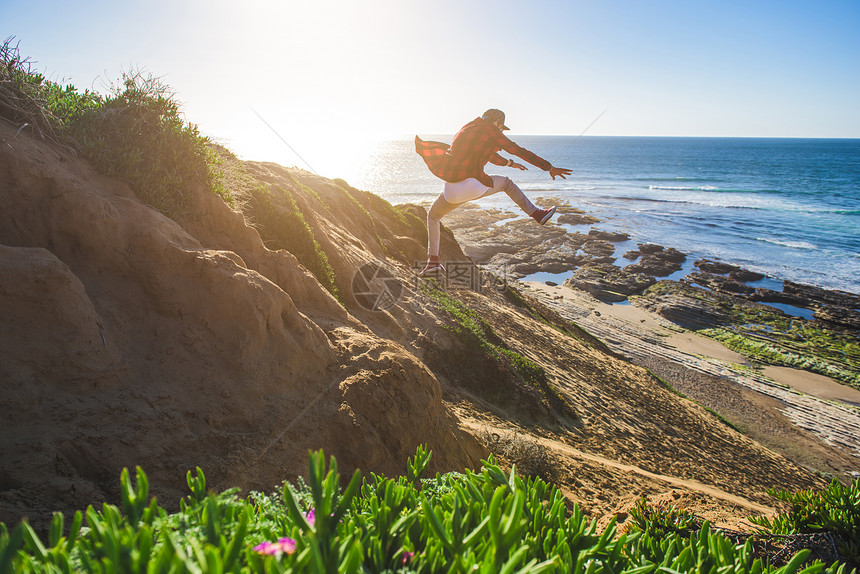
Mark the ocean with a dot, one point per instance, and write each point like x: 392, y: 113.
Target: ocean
x: 788, y: 208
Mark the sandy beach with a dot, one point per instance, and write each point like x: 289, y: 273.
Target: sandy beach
x: 812, y: 384
x: 789, y: 410
x: 691, y: 343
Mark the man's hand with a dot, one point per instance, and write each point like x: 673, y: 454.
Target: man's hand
x: 559, y: 171
x: 518, y: 166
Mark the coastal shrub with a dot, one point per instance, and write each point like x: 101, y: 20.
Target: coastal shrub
x: 138, y: 135
x: 530, y: 457
x: 135, y: 133
x: 282, y: 225
x: 482, y: 521
x: 29, y: 100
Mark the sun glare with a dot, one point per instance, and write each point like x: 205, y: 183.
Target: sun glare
x: 346, y: 158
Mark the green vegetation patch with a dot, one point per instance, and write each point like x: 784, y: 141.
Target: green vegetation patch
x: 819, y: 527
x: 369, y: 200
x: 309, y: 191
x: 350, y: 193
x: 30, y: 100
x: 135, y: 133
x: 825, y: 353
x: 283, y: 226
x: 834, y: 510
x: 138, y: 135
x: 489, y: 363
x: 766, y: 335
x: 485, y: 522
x: 417, y: 226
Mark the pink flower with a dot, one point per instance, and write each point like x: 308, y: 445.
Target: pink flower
x: 266, y: 548
x: 310, y: 516
x: 282, y: 546
x: 287, y: 545
x: 407, y: 557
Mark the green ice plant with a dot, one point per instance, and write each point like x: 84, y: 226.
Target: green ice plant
x: 660, y: 521
x: 55, y: 555
x: 485, y: 521
x: 196, y: 484
x: 415, y: 467
x: 320, y: 547
x: 707, y: 551
x: 491, y: 522
x: 836, y: 510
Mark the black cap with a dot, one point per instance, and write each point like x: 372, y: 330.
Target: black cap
x: 494, y: 115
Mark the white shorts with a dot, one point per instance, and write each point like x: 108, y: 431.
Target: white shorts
x: 465, y: 190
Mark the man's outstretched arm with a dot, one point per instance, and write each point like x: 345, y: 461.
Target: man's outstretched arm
x: 534, y: 159
x: 553, y: 171
x: 559, y: 171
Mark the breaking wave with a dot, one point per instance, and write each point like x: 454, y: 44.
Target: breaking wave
x: 710, y: 188
x: 791, y: 244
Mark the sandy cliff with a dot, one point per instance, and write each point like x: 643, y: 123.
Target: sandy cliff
x: 129, y: 338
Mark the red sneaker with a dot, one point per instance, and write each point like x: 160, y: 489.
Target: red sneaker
x: 433, y: 266
x: 543, y: 215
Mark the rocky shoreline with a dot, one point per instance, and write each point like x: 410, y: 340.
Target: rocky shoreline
x: 806, y: 328
x: 516, y: 248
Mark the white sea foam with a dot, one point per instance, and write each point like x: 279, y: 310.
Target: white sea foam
x: 683, y: 188
x: 791, y: 244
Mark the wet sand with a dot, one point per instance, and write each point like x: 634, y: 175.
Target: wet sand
x: 689, y: 342
x: 813, y: 384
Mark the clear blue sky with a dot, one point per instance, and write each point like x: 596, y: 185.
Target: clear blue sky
x: 324, y: 72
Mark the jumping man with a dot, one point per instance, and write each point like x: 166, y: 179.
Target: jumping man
x: 461, y: 166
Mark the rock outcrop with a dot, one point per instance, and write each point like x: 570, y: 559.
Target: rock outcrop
x: 735, y: 272
x: 609, y: 283
x: 686, y: 310
x: 836, y: 308
x: 655, y: 260
x: 614, y: 237
x: 720, y: 283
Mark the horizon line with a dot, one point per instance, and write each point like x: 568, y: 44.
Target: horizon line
x: 656, y: 136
